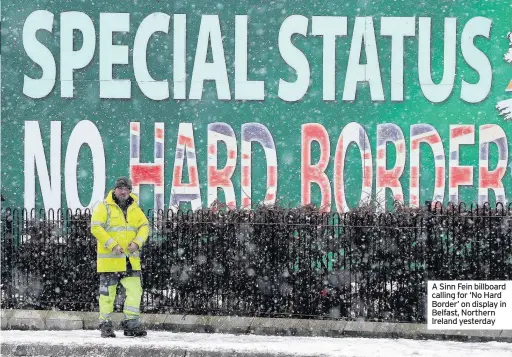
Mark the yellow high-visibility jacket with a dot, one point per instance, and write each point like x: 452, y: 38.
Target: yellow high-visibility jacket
x: 110, y: 228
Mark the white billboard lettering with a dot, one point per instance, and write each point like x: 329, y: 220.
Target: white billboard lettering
x: 76, y: 140
x: 154, y: 89
x: 40, y: 54
x: 35, y: 158
x: 69, y: 58
x: 111, y: 55
x: 370, y: 71
x: 437, y: 93
x: 295, y: 58
x: 209, y: 33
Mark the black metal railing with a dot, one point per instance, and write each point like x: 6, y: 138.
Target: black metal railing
x: 265, y: 262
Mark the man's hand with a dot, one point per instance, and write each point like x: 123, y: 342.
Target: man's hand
x: 133, y: 247
x: 117, y: 250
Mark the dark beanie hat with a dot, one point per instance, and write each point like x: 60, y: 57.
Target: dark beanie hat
x: 123, y: 181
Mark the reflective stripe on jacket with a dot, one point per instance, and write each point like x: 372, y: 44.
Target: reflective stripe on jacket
x: 110, y: 228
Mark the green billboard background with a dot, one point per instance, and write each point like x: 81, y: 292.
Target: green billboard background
x: 282, y: 118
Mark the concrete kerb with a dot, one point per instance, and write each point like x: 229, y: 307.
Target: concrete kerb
x: 360, y: 328
x: 420, y: 331
x: 27, y: 320
x: 412, y: 330
x: 299, y: 327
x: 153, y: 321
x: 506, y: 334
x: 59, y: 320
x: 386, y: 329
x: 5, y: 315
x: 185, y: 323
x: 50, y: 349
x: 476, y: 333
x: 90, y: 319
x: 230, y: 324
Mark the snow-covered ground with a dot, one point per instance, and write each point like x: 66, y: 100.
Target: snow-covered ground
x: 299, y: 346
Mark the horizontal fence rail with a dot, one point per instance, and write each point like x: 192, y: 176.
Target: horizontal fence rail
x: 265, y: 262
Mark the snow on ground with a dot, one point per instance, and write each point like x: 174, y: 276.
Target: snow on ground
x: 299, y: 346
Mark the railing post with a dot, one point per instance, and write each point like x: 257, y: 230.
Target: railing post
x: 430, y: 241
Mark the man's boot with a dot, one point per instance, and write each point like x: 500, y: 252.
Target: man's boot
x: 107, y: 329
x: 133, y: 328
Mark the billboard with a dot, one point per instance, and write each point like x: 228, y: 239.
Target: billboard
x: 245, y: 103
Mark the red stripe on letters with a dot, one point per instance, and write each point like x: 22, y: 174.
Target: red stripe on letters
x: 439, y: 177
x: 414, y: 176
x: 272, y: 174
x: 367, y: 182
x: 491, y: 179
x: 460, y: 175
x: 185, y: 140
x: 381, y: 153
x: 147, y: 174
x: 431, y: 139
x: 461, y: 131
x: 220, y: 178
x: 246, y: 178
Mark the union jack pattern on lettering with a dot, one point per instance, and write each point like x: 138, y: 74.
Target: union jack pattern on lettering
x: 148, y: 173
x: 426, y: 133
x: 258, y: 133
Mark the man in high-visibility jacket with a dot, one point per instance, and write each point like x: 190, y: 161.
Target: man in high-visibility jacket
x: 121, y: 229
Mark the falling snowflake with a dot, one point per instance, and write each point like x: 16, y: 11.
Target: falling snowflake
x: 505, y: 106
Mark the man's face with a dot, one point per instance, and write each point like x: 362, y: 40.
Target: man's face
x: 122, y: 193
